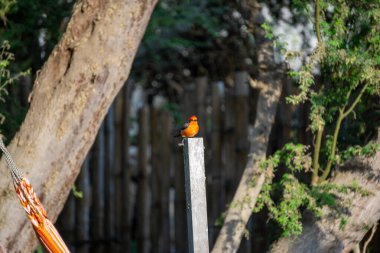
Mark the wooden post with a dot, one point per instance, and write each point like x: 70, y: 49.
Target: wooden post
x: 196, y: 195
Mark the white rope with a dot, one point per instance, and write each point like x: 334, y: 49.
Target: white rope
x: 15, y: 172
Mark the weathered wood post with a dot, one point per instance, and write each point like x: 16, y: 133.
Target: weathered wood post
x: 195, y: 182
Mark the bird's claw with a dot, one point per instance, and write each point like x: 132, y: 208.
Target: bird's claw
x: 182, y: 143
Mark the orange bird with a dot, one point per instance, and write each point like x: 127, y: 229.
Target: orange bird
x: 190, y: 129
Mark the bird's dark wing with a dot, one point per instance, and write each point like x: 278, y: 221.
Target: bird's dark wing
x: 177, y: 131
x: 186, y: 125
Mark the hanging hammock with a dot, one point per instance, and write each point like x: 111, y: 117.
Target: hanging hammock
x: 44, y: 228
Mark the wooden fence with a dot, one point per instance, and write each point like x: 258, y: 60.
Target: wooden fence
x: 133, y: 189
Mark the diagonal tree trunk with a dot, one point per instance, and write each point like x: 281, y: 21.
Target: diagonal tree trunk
x: 270, y: 82
x: 327, y: 234
x: 70, y: 98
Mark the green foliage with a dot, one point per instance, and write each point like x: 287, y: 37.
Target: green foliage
x: 30, y: 30
x: 77, y: 194
x: 187, y: 39
x: 174, y: 109
x: 357, y: 151
x: 278, y: 43
x: 269, y: 34
x: 294, y: 196
x: 347, y: 55
x: 180, y: 28
x: 347, y: 60
x: 294, y: 156
x: 6, y: 78
x: 5, y: 59
x: 343, y: 223
x: 5, y: 7
x: 220, y: 220
x: 40, y: 249
x: 287, y: 213
x: 33, y: 29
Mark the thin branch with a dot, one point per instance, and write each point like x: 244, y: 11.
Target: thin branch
x: 317, y: 13
x: 317, y: 150
x: 356, y: 248
x: 373, y: 230
x: 333, y: 146
x: 342, y: 115
x: 356, y: 101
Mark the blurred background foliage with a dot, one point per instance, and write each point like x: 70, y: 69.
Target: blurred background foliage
x: 31, y: 29
x: 189, y: 39
x: 186, y: 39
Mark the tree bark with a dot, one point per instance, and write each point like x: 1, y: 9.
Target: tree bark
x: 246, y: 194
x: 269, y: 79
x: 70, y: 97
x: 327, y: 233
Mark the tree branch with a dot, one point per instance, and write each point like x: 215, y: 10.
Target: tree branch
x: 356, y: 101
x: 331, y: 157
x: 246, y: 195
x: 373, y: 230
x: 342, y: 115
x: 317, y: 16
x: 317, y: 149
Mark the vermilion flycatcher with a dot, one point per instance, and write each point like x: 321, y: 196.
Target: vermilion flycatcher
x: 190, y: 129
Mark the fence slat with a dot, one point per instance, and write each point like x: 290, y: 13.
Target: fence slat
x: 229, y: 145
x: 97, y: 181
x: 126, y: 218
x: 241, y: 122
x: 201, y: 85
x: 180, y: 203
x: 196, y: 195
x: 117, y: 171
x: 109, y: 179
x: 83, y: 206
x: 156, y: 184
x: 215, y: 194
x: 142, y: 211
x: 67, y: 229
x: 241, y: 94
x: 165, y: 153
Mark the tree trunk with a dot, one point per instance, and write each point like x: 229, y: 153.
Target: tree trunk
x: 270, y: 82
x: 70, y: 98
x: 327, y: 233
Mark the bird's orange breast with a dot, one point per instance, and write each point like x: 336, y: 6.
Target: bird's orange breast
x: 191, y: 130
